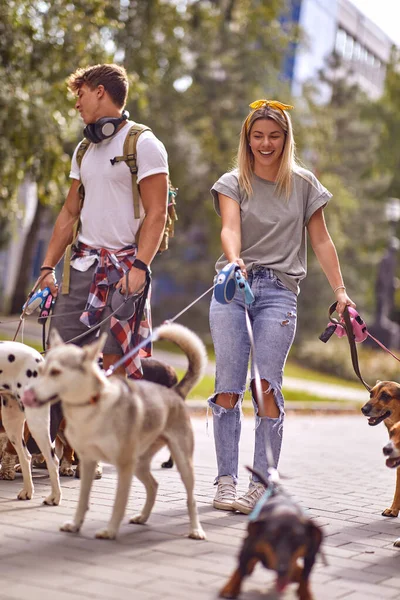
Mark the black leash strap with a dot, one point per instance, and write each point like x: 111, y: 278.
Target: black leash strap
x: 352, y: 343
x: 142, y: 302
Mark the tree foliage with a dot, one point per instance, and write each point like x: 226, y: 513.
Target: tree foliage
x: 340, y: 143
x: 196, y: 67
x: 40, y: 44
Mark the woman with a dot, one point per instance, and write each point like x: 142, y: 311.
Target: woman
x: 266, y: 204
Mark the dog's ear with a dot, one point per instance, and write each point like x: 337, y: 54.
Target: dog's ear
x: 55, y: 339
x: 93, y: 350
x: 314, y: 539
x: 377, y: 381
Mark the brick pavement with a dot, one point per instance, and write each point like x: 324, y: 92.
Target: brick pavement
x: 333, y: 465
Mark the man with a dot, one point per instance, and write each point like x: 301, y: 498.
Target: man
x: 108, y: 225
x: 107, y: 255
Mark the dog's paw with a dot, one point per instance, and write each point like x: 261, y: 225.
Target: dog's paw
x: 106, y: 534
x: 52, y: 500
x: 66, y: 469
x: 7, y: 474
x: 138, y: 520
x: 227, y: 592
x: 390, y: 512
x: 25, y: 494
x: 98, y: 474
x: 70, y: 527
x: 8, y: 463
x: 198, y: 534
x: 397, y: 543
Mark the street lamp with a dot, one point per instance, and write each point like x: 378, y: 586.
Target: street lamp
x: 392, y: 212
x: 384, y: 328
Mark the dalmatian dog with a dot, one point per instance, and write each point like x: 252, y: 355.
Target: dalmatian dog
x: 18, y: 367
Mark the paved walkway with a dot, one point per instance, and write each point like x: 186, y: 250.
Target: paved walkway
x: 333, y: 465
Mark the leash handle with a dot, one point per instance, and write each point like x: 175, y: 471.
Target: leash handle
x: 350, y: 336
x: 23, y: 314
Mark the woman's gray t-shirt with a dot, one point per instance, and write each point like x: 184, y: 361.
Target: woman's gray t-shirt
x: 273, y: 227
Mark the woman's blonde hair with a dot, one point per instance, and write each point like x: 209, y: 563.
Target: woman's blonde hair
x: 245, y: 157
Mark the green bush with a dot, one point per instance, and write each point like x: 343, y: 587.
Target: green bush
x: 334, y: 358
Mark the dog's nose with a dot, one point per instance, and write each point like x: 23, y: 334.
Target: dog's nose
x: 388, y: 449
x: 366, y: 409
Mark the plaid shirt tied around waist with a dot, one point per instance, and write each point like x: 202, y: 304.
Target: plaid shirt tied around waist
x: 111, y: 267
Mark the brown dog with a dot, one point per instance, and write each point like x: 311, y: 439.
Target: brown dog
x: 279, y: 534
x: 392, y: 451
x: 384, y: 405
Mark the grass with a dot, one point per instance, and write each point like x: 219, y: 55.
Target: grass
x: 206, y: 387
x: 292, y: 368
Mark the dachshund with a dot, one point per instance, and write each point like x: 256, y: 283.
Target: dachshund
x: 279, y: 534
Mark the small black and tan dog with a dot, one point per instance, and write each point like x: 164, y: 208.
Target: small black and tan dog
x: 279, y: 536
x: 384, y: 405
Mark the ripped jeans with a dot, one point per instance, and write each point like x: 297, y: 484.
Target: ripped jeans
x: 273, y: 316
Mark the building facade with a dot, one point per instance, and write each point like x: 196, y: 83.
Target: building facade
x: 337, y: 25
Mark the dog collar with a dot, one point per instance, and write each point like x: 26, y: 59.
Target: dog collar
x: 261, y: 502
x: 93, y: 400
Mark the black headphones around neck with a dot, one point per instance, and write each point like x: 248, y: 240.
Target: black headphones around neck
x: 104, y: 128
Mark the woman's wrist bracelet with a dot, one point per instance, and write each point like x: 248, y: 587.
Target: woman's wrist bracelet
x: 44, y: 268
x: 339, y: 287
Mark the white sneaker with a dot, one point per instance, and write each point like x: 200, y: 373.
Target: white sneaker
x: 226, y: 493
x: 247, y: 502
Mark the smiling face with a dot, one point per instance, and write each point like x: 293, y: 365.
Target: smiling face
x: 267, y: 141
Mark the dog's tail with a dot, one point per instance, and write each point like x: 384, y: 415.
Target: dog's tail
x: 194, y: 349
x: 272, y: 478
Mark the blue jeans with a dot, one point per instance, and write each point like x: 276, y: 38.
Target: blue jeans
x: 273, y: 316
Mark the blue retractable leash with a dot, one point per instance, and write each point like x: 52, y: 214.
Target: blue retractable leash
x: 44, y: 300
x: 230, y: 279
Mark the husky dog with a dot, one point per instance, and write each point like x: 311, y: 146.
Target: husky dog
x: 121, y: 422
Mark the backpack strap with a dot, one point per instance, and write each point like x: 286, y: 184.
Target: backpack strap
x: 83, y: 146
x: 130, y: 158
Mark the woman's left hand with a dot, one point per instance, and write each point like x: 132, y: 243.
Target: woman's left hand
x: 343, y: 300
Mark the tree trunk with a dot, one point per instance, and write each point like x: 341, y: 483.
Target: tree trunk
x: 25, y: 271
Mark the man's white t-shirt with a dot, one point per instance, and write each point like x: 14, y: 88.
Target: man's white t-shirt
x: 107, y: 217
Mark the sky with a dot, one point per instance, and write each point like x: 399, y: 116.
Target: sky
x: 384, y: 13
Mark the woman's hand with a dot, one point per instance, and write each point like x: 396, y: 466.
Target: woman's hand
x: 343, y: 300
x: 242, y: 266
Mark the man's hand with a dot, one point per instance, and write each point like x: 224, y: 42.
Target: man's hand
x: 136, y: 282
x: 49, y: 280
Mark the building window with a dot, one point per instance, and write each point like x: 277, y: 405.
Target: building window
x: 357, y: 51
x: 340, y: 42
x: 348, y: 51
